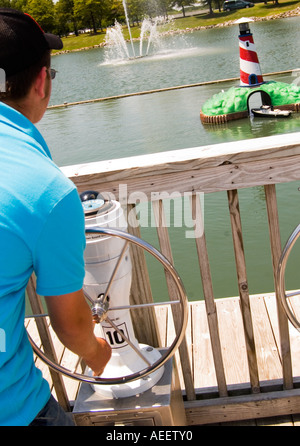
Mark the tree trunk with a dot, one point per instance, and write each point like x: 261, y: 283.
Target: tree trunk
x: 94, y: 24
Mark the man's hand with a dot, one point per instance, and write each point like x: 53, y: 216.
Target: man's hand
x: 71, y: 319
x: 101, y: 358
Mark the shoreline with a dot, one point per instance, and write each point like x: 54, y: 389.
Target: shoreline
x: 282, y: 15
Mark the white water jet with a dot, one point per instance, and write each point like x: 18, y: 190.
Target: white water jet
x: 116, y: 46
x: 147, y: 27
x: 128, y: 26
x: 114, y: 39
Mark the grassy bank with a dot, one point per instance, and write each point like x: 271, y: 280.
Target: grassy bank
x: 259, y: 11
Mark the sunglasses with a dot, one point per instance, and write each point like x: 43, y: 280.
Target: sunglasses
x: 52, y: 72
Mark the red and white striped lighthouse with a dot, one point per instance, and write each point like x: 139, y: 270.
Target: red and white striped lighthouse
x: 250, y: 72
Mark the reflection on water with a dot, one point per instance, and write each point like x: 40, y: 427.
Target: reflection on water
x: 169, y: 121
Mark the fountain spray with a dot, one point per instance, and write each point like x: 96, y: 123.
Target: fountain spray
x: 128, y: 26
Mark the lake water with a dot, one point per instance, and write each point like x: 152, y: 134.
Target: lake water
x: 170, y: 120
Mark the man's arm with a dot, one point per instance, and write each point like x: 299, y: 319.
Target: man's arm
x: 71, y: 319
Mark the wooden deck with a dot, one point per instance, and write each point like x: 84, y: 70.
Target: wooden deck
x: 266, y: 334
x: 234, y: 353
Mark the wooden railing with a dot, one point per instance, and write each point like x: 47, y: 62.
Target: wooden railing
x: 222, y: 167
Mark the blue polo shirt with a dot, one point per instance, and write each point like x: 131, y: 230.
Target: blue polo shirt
x: 41, y: 231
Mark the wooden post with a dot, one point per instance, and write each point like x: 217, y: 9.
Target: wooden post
x: 274, y: 231
x: 165, y: 247
x: 44, y: 333
x: 143, y: 319
x: 210, y: 305
x: 237, y: 235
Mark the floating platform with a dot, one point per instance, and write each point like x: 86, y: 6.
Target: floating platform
x: 235, y: 102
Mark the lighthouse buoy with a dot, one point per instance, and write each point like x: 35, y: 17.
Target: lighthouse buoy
x: 234, y: 103
x: 250, y: 72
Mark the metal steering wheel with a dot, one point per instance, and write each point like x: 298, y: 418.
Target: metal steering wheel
x: 101, y: 310
x: 281, y: 275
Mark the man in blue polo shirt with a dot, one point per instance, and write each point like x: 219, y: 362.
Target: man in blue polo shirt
x: 41, y: 230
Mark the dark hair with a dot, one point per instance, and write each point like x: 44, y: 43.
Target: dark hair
x: 18, y: 85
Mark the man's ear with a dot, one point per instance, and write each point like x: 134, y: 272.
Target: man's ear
x: 40, y: 82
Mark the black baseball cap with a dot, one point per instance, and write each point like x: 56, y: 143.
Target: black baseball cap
x: 22, y: 41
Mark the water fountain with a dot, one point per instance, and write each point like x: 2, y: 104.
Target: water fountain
x: 116, y: 45
x: 151, y: 27
x: 128, y: 26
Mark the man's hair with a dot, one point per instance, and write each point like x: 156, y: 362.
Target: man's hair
x: 18, y: 85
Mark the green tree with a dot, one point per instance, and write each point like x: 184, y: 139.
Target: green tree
x: 43, y: 12
x: 115, y: 11
x: 209, y: 3
x: 136, y: 10
x: 164, y: 6
x: 92, y: 12
x: 218, y: 4
x: 20, y: 5
x: 139, y: 9
x: 5, y: 4
x: 182, y: 3
x: 65, y: 17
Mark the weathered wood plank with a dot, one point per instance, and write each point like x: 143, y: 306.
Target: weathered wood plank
x: 275, y: 241
x: 211, y: 179
x: 213, y: 168
x: 47, y: 343
x: 236, y: 227
x: 268, y: 359
x: 31, y: 326
x: 243, y: 407
x: 161, y: 313
x: 232, y: 341
x: 189, y: 352
x: 294, y: 336
x: 203, y: 363
x: 141, y: 292
x: 207, y: 286
x: 165, y: 247
x: 204, y: 156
